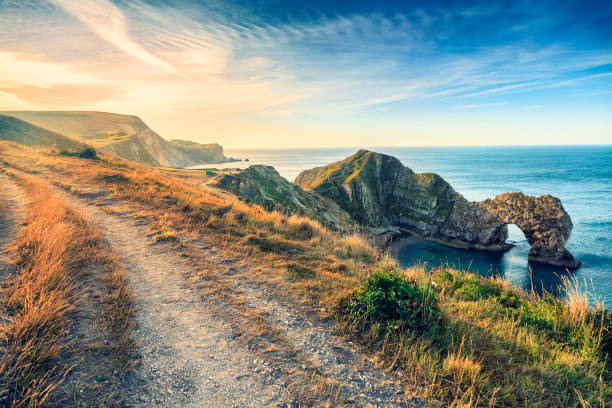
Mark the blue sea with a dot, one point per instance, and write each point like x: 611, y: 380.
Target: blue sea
x: 581, y: 176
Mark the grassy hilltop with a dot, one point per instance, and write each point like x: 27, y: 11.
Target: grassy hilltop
x: 25, y: 133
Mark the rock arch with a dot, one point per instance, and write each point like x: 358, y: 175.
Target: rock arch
x: 543, y: 220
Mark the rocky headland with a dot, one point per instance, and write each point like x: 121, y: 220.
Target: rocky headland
x: 380, y: 194
x: 263, y: 185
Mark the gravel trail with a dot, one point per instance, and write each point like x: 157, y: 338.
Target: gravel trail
x: 12, y: 212
x: 188, y: 356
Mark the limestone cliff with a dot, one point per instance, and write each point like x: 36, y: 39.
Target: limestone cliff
x: 543, y: 220
x: 264, y: 186
x: 126, y: 136
x: 381, y: 193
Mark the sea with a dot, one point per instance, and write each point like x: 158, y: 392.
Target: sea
x: 581, y: 176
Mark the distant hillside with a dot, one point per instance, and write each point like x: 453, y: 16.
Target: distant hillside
x: 25, y: 133
x: 199, y: 153
x: 126, y: 136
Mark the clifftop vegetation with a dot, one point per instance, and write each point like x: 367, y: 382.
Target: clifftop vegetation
x: 457, y: 339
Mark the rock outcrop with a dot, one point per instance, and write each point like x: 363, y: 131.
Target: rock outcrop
x: 379, y: 192
x: 546, y: 225
x: 263, y: 185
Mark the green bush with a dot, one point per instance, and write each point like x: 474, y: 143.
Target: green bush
x: 85, y: 153
x: 394, y: 304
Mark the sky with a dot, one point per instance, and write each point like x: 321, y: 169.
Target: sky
x: 317, y: 73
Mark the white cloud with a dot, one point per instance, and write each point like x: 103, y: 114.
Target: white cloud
x: 15, y: 68
x: 108, y: 22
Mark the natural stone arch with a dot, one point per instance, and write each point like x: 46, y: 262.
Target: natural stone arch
x: 380, y: 193
x: 543, y: 220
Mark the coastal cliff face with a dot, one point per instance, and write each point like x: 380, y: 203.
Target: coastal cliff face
x: 126, y: 136
x: 382, y: 194
x: 264, y: 186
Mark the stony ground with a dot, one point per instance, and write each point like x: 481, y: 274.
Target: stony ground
x: 12, y: 211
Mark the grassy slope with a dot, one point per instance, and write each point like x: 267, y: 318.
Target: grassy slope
x: 493, y: 345
x: 124, y: 135
x: 39, y: 303
x: 99, y: 127
x: 19, y: 131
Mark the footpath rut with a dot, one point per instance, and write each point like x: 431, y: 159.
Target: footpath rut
x: 12, y: 212
x: 188, y: 358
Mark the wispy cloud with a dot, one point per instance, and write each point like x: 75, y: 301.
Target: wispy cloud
x: 482, y: 105
x: 228, y: 60
x: 108, y: 22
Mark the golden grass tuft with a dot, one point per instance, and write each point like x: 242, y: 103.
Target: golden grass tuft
x: 39, y: 301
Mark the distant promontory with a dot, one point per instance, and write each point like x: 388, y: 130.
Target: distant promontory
x: 124, y: 135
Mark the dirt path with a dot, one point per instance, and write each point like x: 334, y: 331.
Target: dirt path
x: 12, y: 212
x: 188, y: 356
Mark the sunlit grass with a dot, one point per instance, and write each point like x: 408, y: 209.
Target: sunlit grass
x: 38, y: 302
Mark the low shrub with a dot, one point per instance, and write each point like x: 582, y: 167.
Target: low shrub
x: 393, y: 304
x: 273, y: 244
x: 85, y: 153
x: 114, y: 178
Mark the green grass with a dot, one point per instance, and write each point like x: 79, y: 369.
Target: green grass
x: 480, y: 342
x: 393, y: 305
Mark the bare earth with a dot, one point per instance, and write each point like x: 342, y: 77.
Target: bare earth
x: 188, y: 358
x: 12, y: 211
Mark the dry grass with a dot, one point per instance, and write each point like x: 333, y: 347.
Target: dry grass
x: 38, y: 304
x: 496, y: 345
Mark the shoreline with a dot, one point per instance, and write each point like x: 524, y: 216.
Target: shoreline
x: 404, y: 241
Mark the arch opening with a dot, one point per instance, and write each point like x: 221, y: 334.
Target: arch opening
x: 515, y: 235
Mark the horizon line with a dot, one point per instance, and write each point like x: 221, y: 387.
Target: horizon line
x: 413, y: 146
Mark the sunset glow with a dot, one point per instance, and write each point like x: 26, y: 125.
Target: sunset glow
x: 319, y: 73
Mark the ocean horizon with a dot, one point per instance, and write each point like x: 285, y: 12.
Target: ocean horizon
x: 579, y: 175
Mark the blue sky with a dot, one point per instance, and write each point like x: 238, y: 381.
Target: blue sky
x: 320, y: 73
